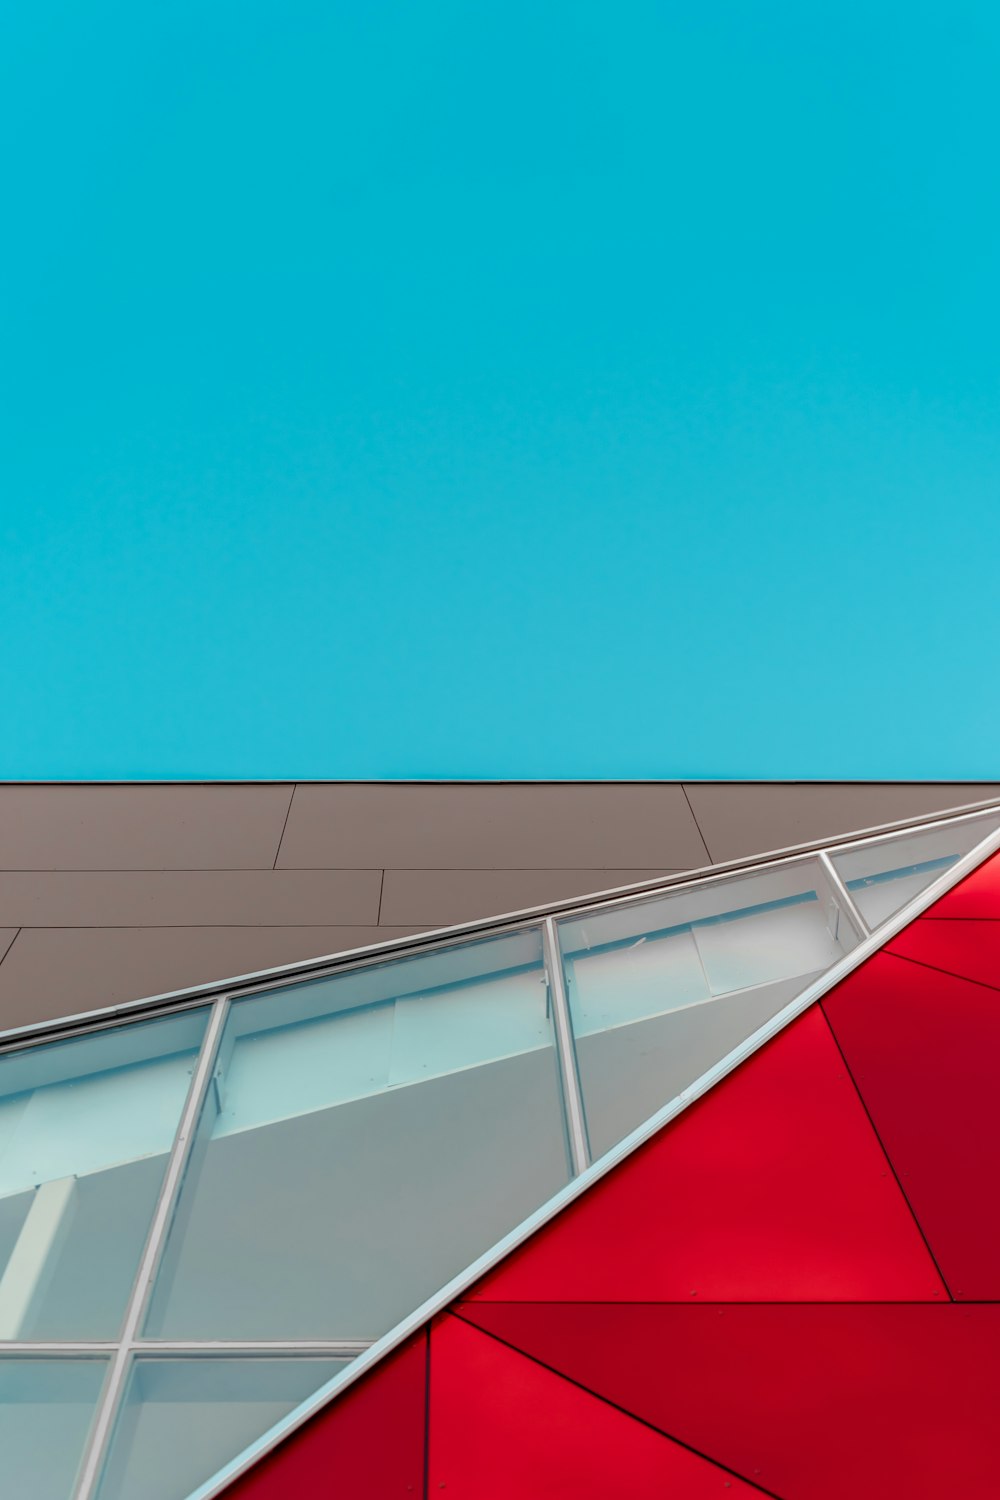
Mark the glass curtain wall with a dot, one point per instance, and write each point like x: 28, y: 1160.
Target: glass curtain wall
x: 205, y: 1217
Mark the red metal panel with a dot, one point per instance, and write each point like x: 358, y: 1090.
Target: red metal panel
x: 924, y: 1049
x: 772, y: 1187
x: 969, y: 949
x: 978, y: 895
x: 814, y: 1402
x: 369, y: 1442
x: 504, y: 1428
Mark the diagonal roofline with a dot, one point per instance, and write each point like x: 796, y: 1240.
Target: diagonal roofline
x: 232, y: 986
x: 989, y: 845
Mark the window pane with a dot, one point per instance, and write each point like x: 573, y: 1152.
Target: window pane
x: 370, y: 1135
x: 661, y: 990
x: 882, y: 878
x: 46, y: 1408
x: 86, y: 1127
x: 183, y: 1419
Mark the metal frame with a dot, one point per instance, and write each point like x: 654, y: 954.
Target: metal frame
x: 122, y: 1352
x: 843, y: 895
x: 576, y: 1122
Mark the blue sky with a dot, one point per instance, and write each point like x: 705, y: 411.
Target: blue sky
x: 515, y: 390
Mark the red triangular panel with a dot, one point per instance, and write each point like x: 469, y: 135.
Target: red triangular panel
x: 969, y: 949
x: 809, y: 1402
x: 772, y: 1187
x: 924, y: 1050
x: 504, y: 1428
x: 369, y: 1443
x: 978, y: 895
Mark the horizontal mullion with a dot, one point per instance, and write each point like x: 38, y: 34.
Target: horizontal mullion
x: 342, y: 1348
x: 337, y: 1348
x: 20, y: 1347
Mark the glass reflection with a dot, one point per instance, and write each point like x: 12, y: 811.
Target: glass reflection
x: 368, y: 1136
x: 86, y: 1127
x: 661, y: 990
x: 46, y: 1410
x: 183, y: 1419
x: 883, y: 877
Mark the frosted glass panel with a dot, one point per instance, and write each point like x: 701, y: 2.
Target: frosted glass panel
x: 184, y: 1419
x: 46, y: 1410
x: 882, y: 878
x: 661, y: 990
x: 86, y: 1127
x: 368, y: 1136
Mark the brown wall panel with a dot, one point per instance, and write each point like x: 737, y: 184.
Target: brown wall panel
x: 435, y: 898
x: 516, y: 826
x: 740, y: 819
x: 125, y: 891
x: 52, y: 972
x: 189, y: 898
x: 182, y: 827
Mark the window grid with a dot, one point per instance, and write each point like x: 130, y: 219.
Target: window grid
x: 122, y: 1352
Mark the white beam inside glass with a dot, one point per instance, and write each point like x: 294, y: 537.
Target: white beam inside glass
x: 33, y: 1257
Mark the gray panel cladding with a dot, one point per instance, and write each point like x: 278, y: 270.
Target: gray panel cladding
x: 141, y: 827
x: 738, y: 819
x: 109, y: 892
x: 517, y: 826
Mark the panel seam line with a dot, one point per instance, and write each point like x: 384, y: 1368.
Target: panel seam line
x: 882, y: 1147
x: 694, y: 816
x: 922, y: 963
x: 643, y: 1421
x: 281, y: 836
x: 7, y: 950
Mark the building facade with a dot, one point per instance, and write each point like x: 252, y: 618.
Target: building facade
x: 343, y: 1226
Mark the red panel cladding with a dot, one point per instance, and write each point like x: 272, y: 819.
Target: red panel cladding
x: 503, y: 1428
x: 968, y: 949
x: 978, y: 895
x: 809, y: 1402
x: 923, y: 1048
x: 772, y: 1187
x: 368, y: 1443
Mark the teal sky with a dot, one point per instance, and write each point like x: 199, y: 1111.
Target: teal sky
x: 500, y: 390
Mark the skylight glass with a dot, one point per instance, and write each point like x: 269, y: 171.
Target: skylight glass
x: 181, y: 1419
x: 660, y: 990
x: 86, y: 1127
x: 402, y: 1117
x: 883, y: 876
x: 47, y: 1407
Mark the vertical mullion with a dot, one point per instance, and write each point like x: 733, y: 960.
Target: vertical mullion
x: 843, y: 895
x: 572, y: 1100
x: 179, y: 1154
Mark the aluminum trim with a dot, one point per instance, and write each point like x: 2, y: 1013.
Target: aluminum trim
x: 223, y: 1349
x: 336, y: 1348
x: 579, y: 1185
x: 572, y: 1099
x: 222, y: 781
x: 114, y: 1386
x: 24, y: 1349
x: 850, y: 909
